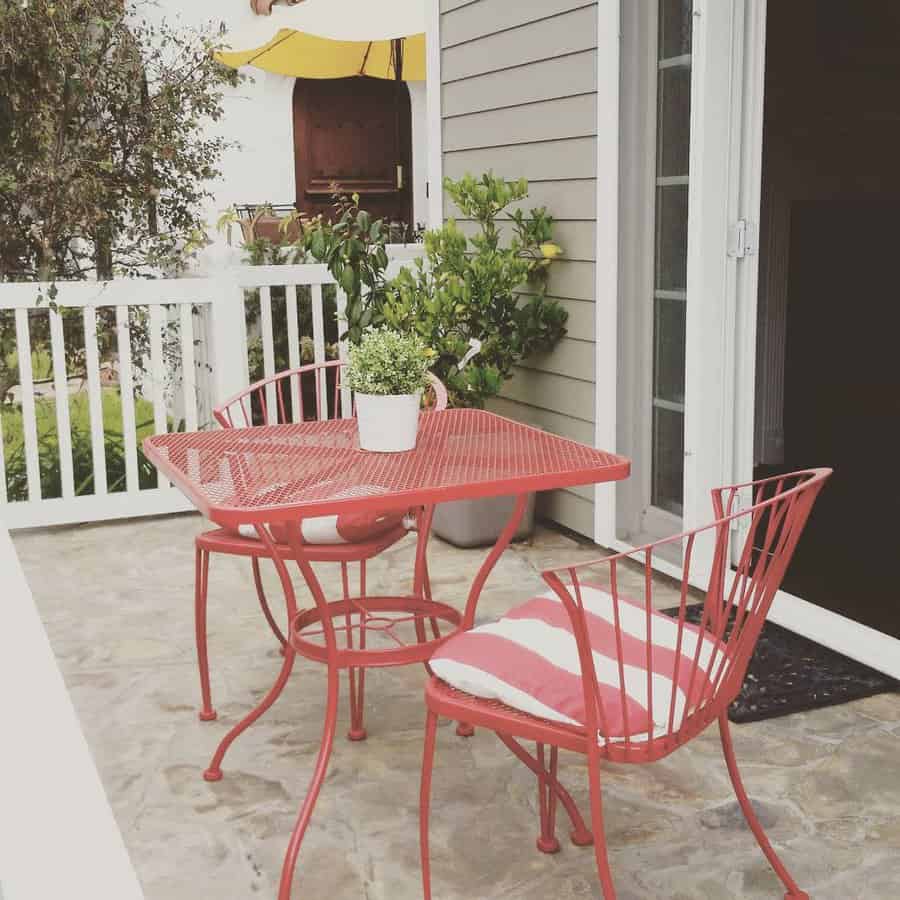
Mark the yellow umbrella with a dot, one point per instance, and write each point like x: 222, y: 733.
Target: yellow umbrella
x: 303, y: 55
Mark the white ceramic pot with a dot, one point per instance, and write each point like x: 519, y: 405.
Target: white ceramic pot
x: 388, y: 422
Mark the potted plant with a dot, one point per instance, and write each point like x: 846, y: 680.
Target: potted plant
x: 488, y: 288
x: 387, y: 373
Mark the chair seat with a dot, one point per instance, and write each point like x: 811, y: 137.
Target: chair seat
x: 529, y: 661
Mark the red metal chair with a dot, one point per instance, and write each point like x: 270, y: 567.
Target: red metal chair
x: 599, y: 671
x: 306, y: 393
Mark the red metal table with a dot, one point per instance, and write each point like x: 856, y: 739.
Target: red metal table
x: 286, y: 473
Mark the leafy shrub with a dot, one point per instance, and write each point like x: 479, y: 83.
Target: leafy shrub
x: 354, y: 247
x: 469, y: 289
x: 352, y: 244
x: 385, y: 362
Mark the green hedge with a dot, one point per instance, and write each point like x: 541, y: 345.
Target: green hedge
x: 82, y: 458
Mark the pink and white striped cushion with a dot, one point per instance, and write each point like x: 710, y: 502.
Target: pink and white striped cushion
x: 347, y: 529
x: 529, y: 661
x: 341, y: 529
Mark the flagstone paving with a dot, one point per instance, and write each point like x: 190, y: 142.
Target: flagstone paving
x: 117, y: 603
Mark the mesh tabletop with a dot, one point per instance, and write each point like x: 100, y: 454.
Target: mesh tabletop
x: 279, y: 472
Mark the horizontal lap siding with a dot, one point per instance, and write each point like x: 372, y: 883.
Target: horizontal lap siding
x: 545, y: 120
x: 542, y: 161
x: 570, y: 198
x: 549, y: 79
x: 542, y: 38
x: 518, y: 97
x: 578, y: 238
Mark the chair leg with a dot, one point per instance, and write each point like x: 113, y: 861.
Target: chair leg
x: 435, y: 627
x: 606, y: 883
x: 312, y: 794
x: 264, y: 604
x: 356, y: 677
x: 425, y: 801
x: 214, y: 771
x: 580, y: 834
x: 547, y: 842
x: 793, y: 891
x: 201, y: 586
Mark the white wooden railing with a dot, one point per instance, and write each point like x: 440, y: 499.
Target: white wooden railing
x: 182, y: 345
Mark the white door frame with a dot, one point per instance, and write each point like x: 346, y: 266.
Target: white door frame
x: 747, y: 285
x: 717, y: 86
x: 435, y: 173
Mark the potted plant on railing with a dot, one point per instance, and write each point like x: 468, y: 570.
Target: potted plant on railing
x: 387, y: 373
x: 488, y: 289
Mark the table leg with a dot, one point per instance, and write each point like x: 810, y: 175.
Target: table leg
x: 463, y: 729
x: 264, y: 604
x: 214, y: 771
x: 506, y: 536
x: 315, y: 785
x: 312, y: 794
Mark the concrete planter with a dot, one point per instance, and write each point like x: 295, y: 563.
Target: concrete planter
x: 478, y: 523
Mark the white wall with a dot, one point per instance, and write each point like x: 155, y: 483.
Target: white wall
x: 417, y: 99
x: 259, y: 115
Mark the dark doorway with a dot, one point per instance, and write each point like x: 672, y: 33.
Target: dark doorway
x: 356, y: 132
x: 828, y: 389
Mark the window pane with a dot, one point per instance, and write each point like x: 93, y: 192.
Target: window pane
x: 668, y: 350
x: 671, y: 237
x: 675, y: 23
x: 674, y: 128
x: 668, y: 460
x: 673, y: 147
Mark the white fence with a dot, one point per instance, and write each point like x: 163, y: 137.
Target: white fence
x: 140, y: 357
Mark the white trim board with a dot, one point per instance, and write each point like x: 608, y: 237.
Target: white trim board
x: 435, y: 202
x: 607, y: 265
x: 830, y: 629
x: 866, y: 645
x: 52, y: 798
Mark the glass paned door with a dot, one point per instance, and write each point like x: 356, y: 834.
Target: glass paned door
x: 673, y: 141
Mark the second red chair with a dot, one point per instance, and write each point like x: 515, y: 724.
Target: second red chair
x: 594, y: 668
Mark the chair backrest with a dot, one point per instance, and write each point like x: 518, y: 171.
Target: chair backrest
x: 309, y: 392
x: 677, y: 673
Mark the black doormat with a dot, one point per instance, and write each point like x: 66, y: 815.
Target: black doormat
x: 790, y: 673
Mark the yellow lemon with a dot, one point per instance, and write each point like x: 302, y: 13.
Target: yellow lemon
x: 550, y: 250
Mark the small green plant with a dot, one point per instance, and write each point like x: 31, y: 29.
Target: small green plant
x: 385, y: 362
x: 488, y: 288
x: 353, y: 246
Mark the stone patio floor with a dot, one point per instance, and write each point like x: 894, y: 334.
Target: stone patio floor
x: 116, y: 600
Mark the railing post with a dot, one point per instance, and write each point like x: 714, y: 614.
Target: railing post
x: 228, y: 350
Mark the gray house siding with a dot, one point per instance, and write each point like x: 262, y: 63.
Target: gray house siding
x: 518, y: 96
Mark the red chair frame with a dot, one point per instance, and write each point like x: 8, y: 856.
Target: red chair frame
x: 266, y: 399
x: 738, y: 597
